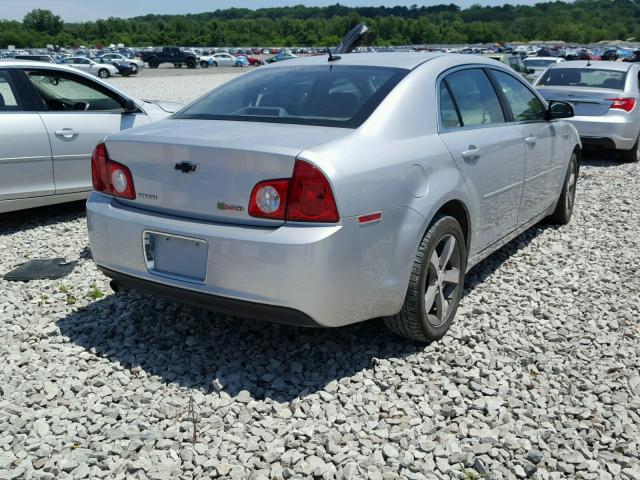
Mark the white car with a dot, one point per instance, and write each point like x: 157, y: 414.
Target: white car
x: 51, y: 118
x: 134, y: 63
x: 218, y: 60
x: 101, y: 70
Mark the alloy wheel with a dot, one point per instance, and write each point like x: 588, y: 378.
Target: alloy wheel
x: 442, y: 280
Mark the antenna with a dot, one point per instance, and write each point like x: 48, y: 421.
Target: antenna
x: 332, y: 57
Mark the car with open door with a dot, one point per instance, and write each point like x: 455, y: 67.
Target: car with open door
x: 51, y: 118
x: 380, y: 181
x: 605, y: 97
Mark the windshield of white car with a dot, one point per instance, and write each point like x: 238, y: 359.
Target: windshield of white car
x: 535, y: 62
x: 327, y: 95
x: 584, y: 77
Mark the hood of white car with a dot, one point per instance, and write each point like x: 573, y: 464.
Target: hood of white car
x: 158, y: 109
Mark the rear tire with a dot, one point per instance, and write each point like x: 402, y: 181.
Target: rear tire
x: 435, y: 285
x: 191, y: 63
x: 177, y: 65
x: 564, y: 209
x: 153, y: 63
x: 633, y: 155
x: 204, y: 64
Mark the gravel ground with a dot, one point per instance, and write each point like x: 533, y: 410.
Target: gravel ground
x: 186, y: 85
x: 538, y: 377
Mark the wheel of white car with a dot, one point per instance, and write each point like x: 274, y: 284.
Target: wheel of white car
x: 104, y: 73
x: 435, y: 285
x: 632, y: 155
x: 204, y: 64
x: 564, y: 208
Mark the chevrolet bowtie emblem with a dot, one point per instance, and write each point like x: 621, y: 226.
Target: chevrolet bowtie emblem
x: 186, y: 167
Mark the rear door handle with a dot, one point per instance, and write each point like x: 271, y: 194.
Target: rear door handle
x: 473, y: 152
x: 67, y: 132
x: 531, y: 140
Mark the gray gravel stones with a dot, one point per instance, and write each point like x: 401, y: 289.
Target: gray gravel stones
x: 538, y: 378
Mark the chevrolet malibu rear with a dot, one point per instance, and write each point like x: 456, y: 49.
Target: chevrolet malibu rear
x: 325, y: 191
x: 605, y: 97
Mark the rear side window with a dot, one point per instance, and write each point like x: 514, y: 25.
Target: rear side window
x: 475, y: 97
x: 331, y: 95
x: 584, y: 77
x: 8, y: 96
x: 448, y: 113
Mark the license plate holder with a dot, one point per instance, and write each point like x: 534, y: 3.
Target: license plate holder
x: 175, y: 256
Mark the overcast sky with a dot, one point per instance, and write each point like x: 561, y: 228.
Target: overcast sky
x: 78, y: 10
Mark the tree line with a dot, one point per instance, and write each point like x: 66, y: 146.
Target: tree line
x: 583, y: 21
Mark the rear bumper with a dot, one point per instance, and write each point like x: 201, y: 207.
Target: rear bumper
x: 330, y: 275
x: 214, y: 303
x: 606, y: 131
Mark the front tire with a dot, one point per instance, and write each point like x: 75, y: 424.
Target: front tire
x: 436, y: 283
x: 153, y: 63
x: 564, y: 209
x: 633, y: 155
x: 104, y: 73
x: 134, y: 68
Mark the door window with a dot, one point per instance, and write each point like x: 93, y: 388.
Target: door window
x: 525, y: 106
x: 63, y: 92
x: 517, y: 64
x: 8, y: 97
x: 475, y: 97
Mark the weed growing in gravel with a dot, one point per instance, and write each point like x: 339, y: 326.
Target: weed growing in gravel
x: 63, y: 288
x: 95, y: 293
x: 71, y: 300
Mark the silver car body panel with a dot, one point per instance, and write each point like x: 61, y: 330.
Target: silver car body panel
x: 594, y: 120
x: 399, y: 162
x: 45, y: 156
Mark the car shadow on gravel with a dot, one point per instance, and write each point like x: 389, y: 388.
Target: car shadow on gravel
x: 205, y: 351
x: 24, y: 220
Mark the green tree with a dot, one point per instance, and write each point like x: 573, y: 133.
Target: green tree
x: 43, y: 21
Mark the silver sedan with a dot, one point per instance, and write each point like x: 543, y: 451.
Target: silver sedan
x: 331, y: 190
x: 605, y: 97
x: 51, y: 118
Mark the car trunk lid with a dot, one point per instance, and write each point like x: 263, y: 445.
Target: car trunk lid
x: 585, y: 101
x: 205, y: 169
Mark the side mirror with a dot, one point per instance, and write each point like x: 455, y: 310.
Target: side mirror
x: 130, y: 106
x: 559, y: 109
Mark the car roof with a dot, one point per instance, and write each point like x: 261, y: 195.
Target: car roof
x: 406, y: 60
x: 544, y: 58
x: 595, y: 64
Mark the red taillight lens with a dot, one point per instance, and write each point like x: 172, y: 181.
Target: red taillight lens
x: 110, y: 177
x: 626, y: 104
x: 307, y: 197
x: 310, y: 196
x: 269, y: 199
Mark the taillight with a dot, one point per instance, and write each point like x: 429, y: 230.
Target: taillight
x: 110, y: 177
x: 310, y: 196
x: 626, y: 104
x: 307, y: 197
x: 269, y: 199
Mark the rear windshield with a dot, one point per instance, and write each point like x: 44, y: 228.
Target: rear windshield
x: 537, y: 63
x: 584, y: 77
x: 327, y: 95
